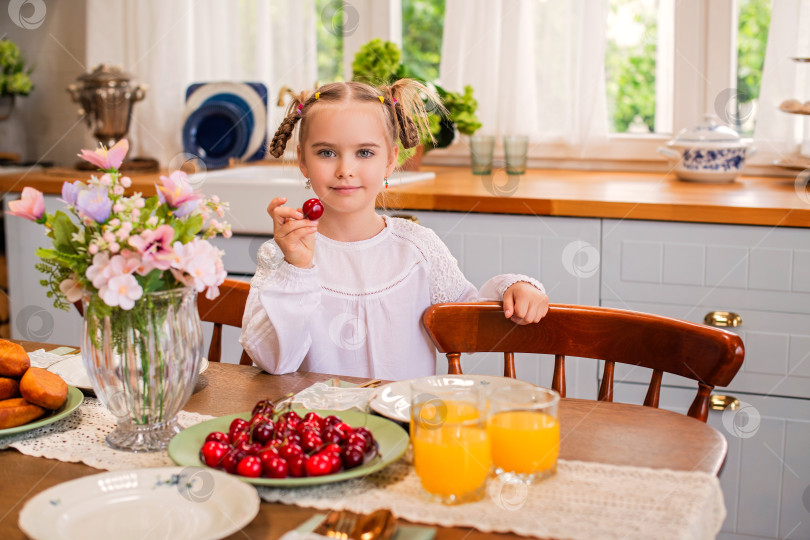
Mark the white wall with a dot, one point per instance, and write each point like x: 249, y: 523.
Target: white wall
x: 44, y: 125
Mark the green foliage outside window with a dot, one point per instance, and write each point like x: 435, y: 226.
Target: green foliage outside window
x: 752, y: 39
x: 422, y: 23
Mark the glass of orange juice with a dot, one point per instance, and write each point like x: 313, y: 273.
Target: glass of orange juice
x: 524, y: 432
x: 450, y: 438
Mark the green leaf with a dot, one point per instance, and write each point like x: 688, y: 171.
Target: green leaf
x: 153, y: 281
x: 63, y: 229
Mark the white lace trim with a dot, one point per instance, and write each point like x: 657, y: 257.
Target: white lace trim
x: 80, y: 437
x: 447, y: 282
x: 582, y: 501
x: 268, y: 259
x: 510, y: 279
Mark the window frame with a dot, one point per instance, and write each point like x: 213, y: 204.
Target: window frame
x: 703, y: 64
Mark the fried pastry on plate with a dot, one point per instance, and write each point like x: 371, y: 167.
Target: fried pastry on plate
x: 43, y: 388
x: 17, y: 411
x: 14, y: 360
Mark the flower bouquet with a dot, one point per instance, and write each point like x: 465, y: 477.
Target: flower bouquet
x: 137, y: 264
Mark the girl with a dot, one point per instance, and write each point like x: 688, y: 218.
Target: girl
x: 345, y: 294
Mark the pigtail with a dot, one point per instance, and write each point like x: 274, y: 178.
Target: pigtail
x: 409, y: 98
x: 285, y: 130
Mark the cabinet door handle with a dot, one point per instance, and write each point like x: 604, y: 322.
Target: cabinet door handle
x: 722, y: 318
x: 409, y: 217
x: 719, y: 402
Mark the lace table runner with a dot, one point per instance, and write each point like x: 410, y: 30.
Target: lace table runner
x: 582, y: 501
x: 80, y: 438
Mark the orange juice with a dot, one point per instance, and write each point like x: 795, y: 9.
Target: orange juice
x: 524, y: 442
x: 452, y: 456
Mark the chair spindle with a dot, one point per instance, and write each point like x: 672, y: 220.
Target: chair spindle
x: 215, y: 350
x: 700, y: 406
x: 454, y: 363
x: 654, y: 390
x: 558, y: 380
x: 509, y: 364
x: 606, y: 389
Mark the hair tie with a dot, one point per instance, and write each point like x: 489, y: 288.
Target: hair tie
x: 300, y: 108
x: 317, y: 95
x: 395, y: 101
x: 382, y: 99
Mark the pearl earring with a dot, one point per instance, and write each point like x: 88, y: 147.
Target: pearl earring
x: 308, y: 185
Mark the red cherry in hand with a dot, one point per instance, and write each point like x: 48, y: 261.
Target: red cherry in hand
x: 313, y: 209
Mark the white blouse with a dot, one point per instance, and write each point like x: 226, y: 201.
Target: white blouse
x: 358, y: 310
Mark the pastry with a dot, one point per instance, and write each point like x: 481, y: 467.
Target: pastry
x: 43, y: 388
x: 13, y: 359
x: 9, y: 388
x: 16, y: 412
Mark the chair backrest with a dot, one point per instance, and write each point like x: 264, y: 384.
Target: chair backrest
x: 227, y: 308
x: 710, y: 356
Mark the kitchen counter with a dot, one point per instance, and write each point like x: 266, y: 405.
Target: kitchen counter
x: 624, y: 195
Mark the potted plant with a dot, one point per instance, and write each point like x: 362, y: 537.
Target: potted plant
x: 14, y: 78
x: 380, y: 62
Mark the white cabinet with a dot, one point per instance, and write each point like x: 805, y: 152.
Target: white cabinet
x: 33, y: 316
x: 762, y: 274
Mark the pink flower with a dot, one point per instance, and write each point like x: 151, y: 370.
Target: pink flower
x: 176, y: 192
x: 121, y: 290
x: 30, y: 206
x: 198, y: 264
x: 154, y: 246
x: 97, y: 272
x: 71, y: 289
x: 107, y: 159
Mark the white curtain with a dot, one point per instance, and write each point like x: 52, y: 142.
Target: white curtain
x: 170, y: 45
x: 537, y: 67
x: 778, y: 134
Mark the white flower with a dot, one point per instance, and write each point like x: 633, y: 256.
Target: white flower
x: 121, y: 290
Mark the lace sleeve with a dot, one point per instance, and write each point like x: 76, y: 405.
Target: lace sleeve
x: 447, y: 282
x: 268, y: 259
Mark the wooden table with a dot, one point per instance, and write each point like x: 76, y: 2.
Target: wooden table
x: 591, y: 431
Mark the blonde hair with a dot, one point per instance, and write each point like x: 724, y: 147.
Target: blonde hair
x: 402, y: 104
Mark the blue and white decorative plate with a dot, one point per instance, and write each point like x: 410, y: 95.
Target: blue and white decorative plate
x: 225, y: 120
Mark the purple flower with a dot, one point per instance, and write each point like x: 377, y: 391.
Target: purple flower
x: 71, y: 191
x: 95, y: 203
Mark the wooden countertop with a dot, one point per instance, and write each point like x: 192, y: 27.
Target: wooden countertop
x: 751, y: 200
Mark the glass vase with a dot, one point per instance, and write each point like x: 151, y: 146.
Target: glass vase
x: 143, y: 364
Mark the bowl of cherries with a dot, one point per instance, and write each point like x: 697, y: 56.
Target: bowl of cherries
x: 287, y: 446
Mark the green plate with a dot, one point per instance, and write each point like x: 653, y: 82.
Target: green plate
x: 184, y: 448
x: 74, y: 399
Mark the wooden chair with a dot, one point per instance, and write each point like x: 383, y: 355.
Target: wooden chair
x: 708, y: 355
x: 227, y: 308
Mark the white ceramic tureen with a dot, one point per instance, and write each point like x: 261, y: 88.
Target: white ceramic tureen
x: 709, y: 152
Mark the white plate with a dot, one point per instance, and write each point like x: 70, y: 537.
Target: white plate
x: 72, y: 370
x: 245, y: 92
x: 166, y: 502
x: 393, y: 400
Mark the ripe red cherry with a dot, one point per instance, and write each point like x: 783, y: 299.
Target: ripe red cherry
x: 231, y: 461
x: 311, y: 441
x: 265, y: 407
x: 318, y: 465
x: 289, y: 450
x: 250, y: 466
x: 334, y: 461
x: 274, y: 467
x: 352, y: 457
x: 313, y: 209
x: 263, y: 432
x: 296, y: 464
x: 218, y: 436
x: 213, y: 452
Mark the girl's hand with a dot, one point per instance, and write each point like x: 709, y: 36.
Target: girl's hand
x: 524, y: 303
x: 293, y: 234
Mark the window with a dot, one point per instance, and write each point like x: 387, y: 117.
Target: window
x: 754, y: 17
x: 630, y: 62
x: 422, y: 22
x: 330, y: 27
